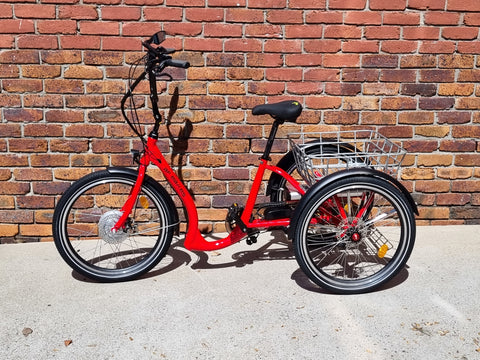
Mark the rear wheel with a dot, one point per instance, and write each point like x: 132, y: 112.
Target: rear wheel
x: 354, y: 235
x: 88, y: 210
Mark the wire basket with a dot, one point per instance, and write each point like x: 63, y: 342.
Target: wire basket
x: 319, y: 154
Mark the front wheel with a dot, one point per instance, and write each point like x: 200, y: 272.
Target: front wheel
x: 88, y: 210
x: 353, y: 235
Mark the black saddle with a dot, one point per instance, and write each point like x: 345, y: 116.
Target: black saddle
x: 288, y: 110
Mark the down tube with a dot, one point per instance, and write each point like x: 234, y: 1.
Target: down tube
x: 193, y: 239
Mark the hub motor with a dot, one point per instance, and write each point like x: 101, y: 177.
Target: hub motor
x: 105, y: 225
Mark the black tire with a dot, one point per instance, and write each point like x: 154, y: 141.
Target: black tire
x: 346, y: 257
x: 279, y: 189
x: 86, y: 213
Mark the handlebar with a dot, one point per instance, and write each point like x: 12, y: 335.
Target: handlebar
x: 157, y: 59
x: 178, y: 63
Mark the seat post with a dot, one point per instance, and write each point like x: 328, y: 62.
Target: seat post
x: 271, y: 138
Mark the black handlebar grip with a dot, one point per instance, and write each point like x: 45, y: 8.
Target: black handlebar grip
x: 178, y: 63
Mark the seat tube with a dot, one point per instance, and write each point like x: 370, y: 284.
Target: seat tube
x: 252, y: 197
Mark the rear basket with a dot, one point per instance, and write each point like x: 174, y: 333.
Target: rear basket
x: 320, y: 154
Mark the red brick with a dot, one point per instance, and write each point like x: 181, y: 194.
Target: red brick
x: 243, y: 45
x: 37, y: 42
x: 245, y: 74
x: 401, y: 18
x: 453, y: 199
x: 442, y: 18
x: 11, y: 26
x: 265, y: 4
x: 22, y: 115
x: 266, y: 88
x: 322, y: 74
x: 457, y: 145
x: 77, y: 12
x: 43, y: 130
x: 322, y: 46
x: 398, y: 75
x: 382, y: 32
x: 84, y: 130
x: 244, y: 15
x: 80, y: 42
x: 471, y: 19
x: 440, y: 47
x: 28, y: 145
x: 283, y: 46
x: 19, y: 85
x: 99, y: 28
x: 186, y: 3
x: 10, y: 131
x: 463, y: 5
x: 303, y: 60
x: 363, y: 18
x: 204, y: 15
x: 360, y: 46
x: 16, y: 216
x: 421, y: 33
x: 324, y: 17
x: 162, y: 14
x: 198, y: 44
x: 6, y: 11
x: 7, y: 41
x: 389, y: 5
x: 347, y: 4
x: 380, y: 61
x: 307, y: 4
x: 341, y: 117
x: 41, y: 71
x: 343, y: 32
x: 54, y: 57
x: 456, y: 61
x: 427, y: 4
x: 284, y: 74
x: 43, y: 101
x: 222, y: 30
x: 122, y: 13
x: 57, y: 27
x: 399, y: 46
x: 418, y: 61
x: 121, y: 44
x: 360, y: 75
x: 61, y: 86
x: 285, y: 16
x: 341, y: 60
x: 35, y: 11
x: 460, y: 33
x: 303, y: 31
x: 226, y: 3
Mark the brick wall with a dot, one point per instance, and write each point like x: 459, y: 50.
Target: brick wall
x: 407, y: 68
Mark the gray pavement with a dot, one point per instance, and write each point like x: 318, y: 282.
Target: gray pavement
x: 245, y: 302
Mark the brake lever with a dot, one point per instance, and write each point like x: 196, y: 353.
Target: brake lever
x: 160, y: 74
x: 162, y: 50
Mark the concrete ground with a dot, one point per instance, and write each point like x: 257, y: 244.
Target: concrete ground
x: 245, y: 302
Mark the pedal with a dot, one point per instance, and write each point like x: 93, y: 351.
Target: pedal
x: 252, y: 239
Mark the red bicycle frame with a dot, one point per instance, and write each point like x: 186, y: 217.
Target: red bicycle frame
x: 194, y: 239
